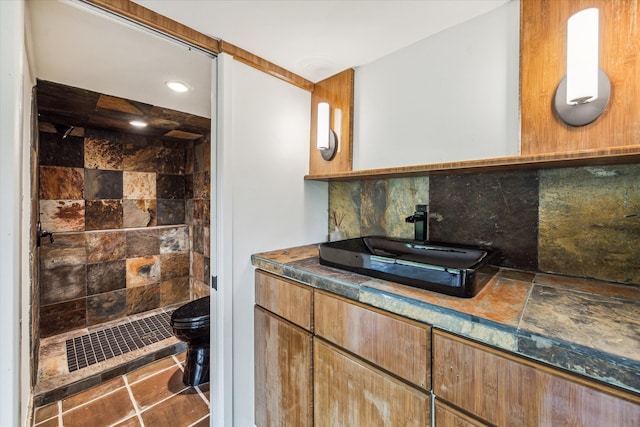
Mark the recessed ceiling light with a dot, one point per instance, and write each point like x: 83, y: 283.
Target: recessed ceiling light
x: 138, y: 123
x: 177, y: 86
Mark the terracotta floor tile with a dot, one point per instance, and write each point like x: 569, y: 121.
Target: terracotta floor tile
x: 150, y: 369
x: 130, y: 422
x: 105, y: 411
x: 53, y: 422
x: 157, y: 387
x: 92, y: 393
x: 183, y: 409
x: 202, y: 423
x: 45, y: 412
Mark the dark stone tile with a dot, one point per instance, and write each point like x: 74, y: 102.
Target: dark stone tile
x: 138, y: 213
x: 202, y: 156
x: 174, y: 291
x: 106, y: 277
x: 60, y: 183
x: 188, y: 186
x: 170, y: 212
x: 174, y: 265
x: 143, y: 298
x: 105, y: 246
x: 497, y: 210
x: 344, y: 199
x: 102, y: 184
x: 170, y: 187
x: 373, y: 207
x: 590, y: 320
x: 587, y: 361
x: 139, y: 154
x: 590, y: 222
x: 198, y: 236
x: 103, y: 150
x: 143, y: 242
x: 107, y: 306
x: 171, y: 157
x: 55, y: 151
x: 103, y: 214
x: 63, y: 317
x: 189, y: 158
x: 197, y: 266
x: 143, y: 271
x: 202, y: 185
x: 63, y: 284
x: 174, y: 240
x: 207, y: 274
x: 189, y: 210
x: 66, y: 250
x: 62, y: 215
x: 201, y: 212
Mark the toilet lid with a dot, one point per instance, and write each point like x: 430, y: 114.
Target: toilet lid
x: 194, y: 314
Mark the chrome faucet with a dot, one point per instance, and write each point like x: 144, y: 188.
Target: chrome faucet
x: 419, y: 219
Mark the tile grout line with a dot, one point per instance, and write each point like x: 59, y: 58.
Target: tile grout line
x: 60, y: 422
x: 197, y: 421
x: 133, y: 400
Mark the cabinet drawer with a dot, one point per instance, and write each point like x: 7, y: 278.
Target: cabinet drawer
x: 504, y: 389
x: 399, y: 346
x: 286, y: 298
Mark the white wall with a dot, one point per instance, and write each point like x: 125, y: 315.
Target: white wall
x: 452, y: 96
x: 14, y: 206
x: 273, y: 207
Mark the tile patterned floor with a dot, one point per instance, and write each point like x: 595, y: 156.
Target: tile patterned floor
x: 151, y: 396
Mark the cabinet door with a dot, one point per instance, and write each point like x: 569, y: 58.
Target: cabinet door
x: 509, y: 391
x: 283, y: 375
x: 397, y: 345
x: 350, y: 392
x: 446, y: 416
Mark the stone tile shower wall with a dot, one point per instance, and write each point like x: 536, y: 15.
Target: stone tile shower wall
x: 198, y: 214
x: 582, y: 222
x: 121, y: 208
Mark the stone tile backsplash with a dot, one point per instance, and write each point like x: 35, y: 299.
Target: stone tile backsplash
x: 582, y: 222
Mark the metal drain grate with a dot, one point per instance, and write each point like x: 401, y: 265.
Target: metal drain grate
x: 111, y: 342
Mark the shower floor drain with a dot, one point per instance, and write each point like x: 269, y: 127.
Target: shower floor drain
x: 104, y: 344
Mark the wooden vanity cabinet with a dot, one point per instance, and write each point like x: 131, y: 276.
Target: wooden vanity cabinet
x: 283, y: 352
x: 371, y: 368
x: 505, y: 390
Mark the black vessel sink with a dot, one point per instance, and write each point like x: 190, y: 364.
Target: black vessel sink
x: 456, y: 270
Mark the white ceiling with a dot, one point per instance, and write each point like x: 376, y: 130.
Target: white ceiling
x: 71, y: 43
x: 316, y: 39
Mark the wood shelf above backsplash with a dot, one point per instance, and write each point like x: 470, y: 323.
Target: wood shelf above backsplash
x: 599, y: 157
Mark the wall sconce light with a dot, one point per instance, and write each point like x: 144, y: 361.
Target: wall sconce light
x: 326, y: 138
x: 583, y: 93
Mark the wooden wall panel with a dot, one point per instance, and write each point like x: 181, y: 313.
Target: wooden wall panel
x: 543, y: 63
x: 338, y: 92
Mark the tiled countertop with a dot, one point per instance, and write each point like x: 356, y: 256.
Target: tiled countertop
x: 588, y: 327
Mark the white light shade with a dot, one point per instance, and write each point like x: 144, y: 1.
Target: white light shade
x: 138, y: 123
x: 582, y: 57
x: 322, y: 139
x: 177, y: 86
